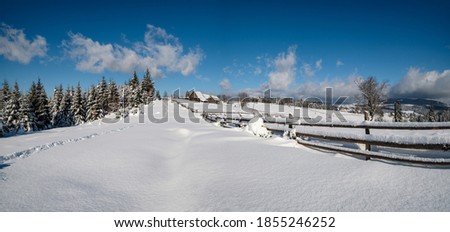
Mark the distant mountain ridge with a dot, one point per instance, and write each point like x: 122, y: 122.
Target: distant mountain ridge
x: 420, y: 102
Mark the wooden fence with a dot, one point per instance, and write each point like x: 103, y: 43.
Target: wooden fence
x: 240, y: 118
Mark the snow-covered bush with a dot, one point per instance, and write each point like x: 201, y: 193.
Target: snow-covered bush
x: 257, y: 127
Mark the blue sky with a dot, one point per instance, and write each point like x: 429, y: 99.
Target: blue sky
x: 296, y: 48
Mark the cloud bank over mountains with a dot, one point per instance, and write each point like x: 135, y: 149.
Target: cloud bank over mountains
x: 423, y: 84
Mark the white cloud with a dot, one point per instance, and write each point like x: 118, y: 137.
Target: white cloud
x: 339, y: 63
x: 227, y: 70
x: 257, y: 71
x: 418, y: 84
x: 340, y: 87
x: 243, y: 70
x: 189, y: 62
x: 307, y: 70
x: 319, y: 64
x: 284, y: 72
x: 14, y: 45
x: 159, y: 52
x: 225, y: 84
x: 202, y: 78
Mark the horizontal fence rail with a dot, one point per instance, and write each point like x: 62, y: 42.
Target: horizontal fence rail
x: 378, y: 155
x: 360, y: 125
x: 409, y: 142
x: 347, y: 138
x: 388, y: 126
x: 373, y: 141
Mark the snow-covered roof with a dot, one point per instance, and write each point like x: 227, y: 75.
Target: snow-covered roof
x: 214, y: 97
x: 200, y: 95
x: 204, y: 97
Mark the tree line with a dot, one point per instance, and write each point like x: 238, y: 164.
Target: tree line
x: 426, y: 116
x: 34, y: 110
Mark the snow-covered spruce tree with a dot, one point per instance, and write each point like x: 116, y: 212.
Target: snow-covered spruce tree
x: 40, y: 103
x: 445, y: 116
x: 85, y: 103
x: 78, y: 110
x: 422, y: 118
x: 103, y: 97
x: 372, y: 95
x: 147, y: 88
x: 5, y: 93
x: 27, y: 116
x: 4, y: 97
x: 113, y: 97
x: 124, y: 91
x: 32, y: 94
x: 124, y: 99
x: 398, y: 117
x: 56, y: 105
x: 431, y: 115
x: 135, y: 98
x: 66, y: 114
x: 158, y: 95
x: 11, y: 114
x: 92, y: 112
x: 413, y: 117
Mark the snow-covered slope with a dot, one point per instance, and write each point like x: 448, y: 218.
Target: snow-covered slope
x: 190, y: 166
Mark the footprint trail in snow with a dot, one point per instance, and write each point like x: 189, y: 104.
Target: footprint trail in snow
x: 27, y: 152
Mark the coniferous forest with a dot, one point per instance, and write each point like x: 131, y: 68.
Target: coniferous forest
x: 34, y: 109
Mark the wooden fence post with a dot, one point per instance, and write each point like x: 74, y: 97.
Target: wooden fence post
x: 290, y: 124
x: 366, y: 118
x: 224, y: 121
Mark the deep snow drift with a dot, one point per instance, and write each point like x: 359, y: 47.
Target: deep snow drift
x: 190, y: 166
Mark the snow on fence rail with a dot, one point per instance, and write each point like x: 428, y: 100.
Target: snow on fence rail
x: 243, y: 116
x: 378, y: 155
x: 409, y: 142
x: 360, y: 125
x: 413, y: 142
x: 385, y: 125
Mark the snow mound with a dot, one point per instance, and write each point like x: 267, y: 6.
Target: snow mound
x: 290, y: 134
x: 182, y: 132
x: 257, y: 127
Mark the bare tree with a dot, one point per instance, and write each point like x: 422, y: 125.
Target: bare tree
x: 243, y: 95
x: 372, y: 95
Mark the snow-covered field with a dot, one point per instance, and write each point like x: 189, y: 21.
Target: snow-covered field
x: 175, y: 166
